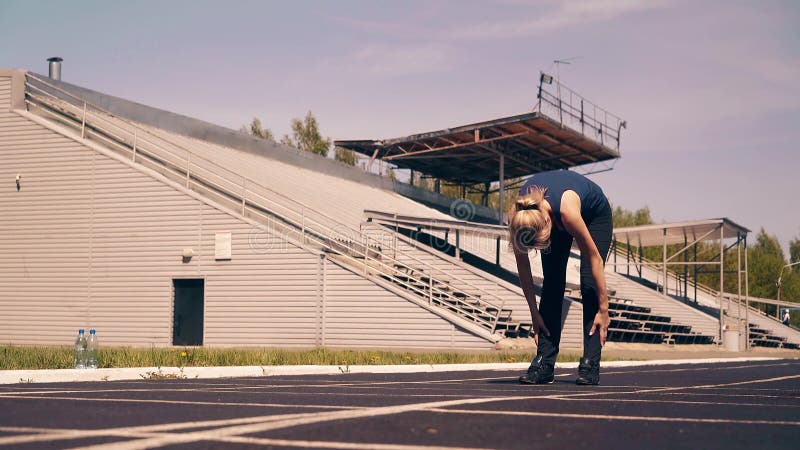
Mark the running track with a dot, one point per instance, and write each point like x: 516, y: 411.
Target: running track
x: 724, y: 405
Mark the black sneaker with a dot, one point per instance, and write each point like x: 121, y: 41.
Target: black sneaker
x: 588, y: 372
x: 538, y: 373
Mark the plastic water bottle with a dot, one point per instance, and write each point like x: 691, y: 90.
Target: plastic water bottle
x: 80, y: 350
x: 91, y: 350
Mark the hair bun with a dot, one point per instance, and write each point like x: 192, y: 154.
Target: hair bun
x: 526, y: 203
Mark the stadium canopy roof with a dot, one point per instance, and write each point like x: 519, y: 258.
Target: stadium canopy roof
x: 676, y: 239
x: 564, y: 130
x: 529, y: 143
x: 679, y: 232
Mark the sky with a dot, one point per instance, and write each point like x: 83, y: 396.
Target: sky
x: 710, y: 89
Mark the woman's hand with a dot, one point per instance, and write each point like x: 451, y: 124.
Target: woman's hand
x: 538, y: 327
x: 601, y: 323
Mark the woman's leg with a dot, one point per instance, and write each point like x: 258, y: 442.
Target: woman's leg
x: 554, y: 266
x: 600, y: 229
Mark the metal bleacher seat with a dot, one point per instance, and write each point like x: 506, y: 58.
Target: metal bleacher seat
x: 635, y: 336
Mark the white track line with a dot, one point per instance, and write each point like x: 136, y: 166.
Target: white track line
x: 711, y: 386
x: 691, y: 369
x: 676, y: 402
x: 335, y: 445
x: 59, y: 434
x: 70, y: 434
x: 702, y: 394
x: 184, y: 402
x: 183, y: 438
x: 613, y: 417
x: 672, y: 388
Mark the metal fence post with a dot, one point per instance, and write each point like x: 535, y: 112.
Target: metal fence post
x: 303, y: 226
x: 430, y: 289
x: 583, y: 123
x: 83, y: 122
x: 244, y: 193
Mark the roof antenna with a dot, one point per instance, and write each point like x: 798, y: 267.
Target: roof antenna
x: 558, y: 63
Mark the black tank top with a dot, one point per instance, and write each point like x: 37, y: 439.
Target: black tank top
x: 593, y: 200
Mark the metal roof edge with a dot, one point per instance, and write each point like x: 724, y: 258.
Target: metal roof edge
x: 462, y: 128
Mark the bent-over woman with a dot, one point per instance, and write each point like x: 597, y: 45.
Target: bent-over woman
x: 552, y: 209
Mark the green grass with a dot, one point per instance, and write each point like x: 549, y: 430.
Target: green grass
x: 13, y: 357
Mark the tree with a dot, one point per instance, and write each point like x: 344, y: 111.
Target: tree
x: 625, y: 218
x: 306, y: 136
x: 765, y: 261
x: 346, y: 156
x: 257, y: 130
x: 794, y: 252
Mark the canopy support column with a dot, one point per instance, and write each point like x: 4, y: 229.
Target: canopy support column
x: 685, y: 268
x: 739, y: 277
x: 695, y: 272
x: 502, y: 191
x: 746, y: 299
x: 721, y: 275
x: 664, y: 285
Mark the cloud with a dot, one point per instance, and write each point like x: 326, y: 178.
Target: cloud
x: 561, y: 15
x: 397, y: 60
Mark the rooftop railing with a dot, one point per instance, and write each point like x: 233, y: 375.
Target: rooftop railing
x: 572, y: 110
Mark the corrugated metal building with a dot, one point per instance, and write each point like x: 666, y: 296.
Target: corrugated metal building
x: 103, y: 230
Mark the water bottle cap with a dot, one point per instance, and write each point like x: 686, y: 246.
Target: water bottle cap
x: 91, y: 331
x: 80, y: 331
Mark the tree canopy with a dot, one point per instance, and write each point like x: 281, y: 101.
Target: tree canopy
x: 624, y: 218
x: 307, y: 137
x: 255, y: 129
x: 346, y: 156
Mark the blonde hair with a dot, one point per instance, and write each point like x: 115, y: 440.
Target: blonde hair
x: 528, y: 226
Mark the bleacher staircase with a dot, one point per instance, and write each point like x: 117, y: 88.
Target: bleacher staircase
x: 637, y: 314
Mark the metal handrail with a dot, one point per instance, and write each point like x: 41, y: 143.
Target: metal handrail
x: 582, y: 111
x: 487, y: 230
x: 140, y: 138
x: 500, y: 308
x: 702, y: 287
x: 671, y: 274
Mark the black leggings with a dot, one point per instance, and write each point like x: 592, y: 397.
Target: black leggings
x: 554, y: 265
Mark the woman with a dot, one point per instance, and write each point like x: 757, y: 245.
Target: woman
x: 552, y: 209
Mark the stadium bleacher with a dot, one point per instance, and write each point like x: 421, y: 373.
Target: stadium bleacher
x: 764, y: 330
x: 328, y: 212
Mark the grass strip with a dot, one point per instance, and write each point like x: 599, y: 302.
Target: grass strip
x: 29, y: 357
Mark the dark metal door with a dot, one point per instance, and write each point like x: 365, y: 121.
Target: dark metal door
x: 187, y: 317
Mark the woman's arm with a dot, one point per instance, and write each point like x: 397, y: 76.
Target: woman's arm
x: 526, y: 281
x: 574, y: 224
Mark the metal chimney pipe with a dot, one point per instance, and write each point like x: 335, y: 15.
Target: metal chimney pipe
x: 55, y: 67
